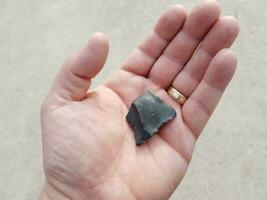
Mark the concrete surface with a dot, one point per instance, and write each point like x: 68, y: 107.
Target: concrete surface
x: 230, y: 161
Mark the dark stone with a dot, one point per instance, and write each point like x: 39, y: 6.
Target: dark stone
x: 147, y: 114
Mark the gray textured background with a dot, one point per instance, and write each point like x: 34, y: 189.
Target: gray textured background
x: 230, y: 161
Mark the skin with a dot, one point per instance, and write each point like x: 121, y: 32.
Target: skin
x: 89, y: 149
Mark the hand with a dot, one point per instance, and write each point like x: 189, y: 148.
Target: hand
x: 89, y: 148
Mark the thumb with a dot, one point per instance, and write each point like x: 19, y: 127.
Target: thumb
x: 74, y: 78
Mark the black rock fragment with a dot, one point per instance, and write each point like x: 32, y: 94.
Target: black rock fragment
x: 147, y: 114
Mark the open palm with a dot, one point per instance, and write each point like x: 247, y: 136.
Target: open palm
x: 89, y: 148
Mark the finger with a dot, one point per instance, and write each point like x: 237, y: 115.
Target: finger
x: 222, y: 35
x: 185, y: 43
x: 199, y: 107
x: 73, y: 80
x: 144, y: 56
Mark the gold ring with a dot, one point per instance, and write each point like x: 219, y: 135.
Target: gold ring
x: 177, y: 96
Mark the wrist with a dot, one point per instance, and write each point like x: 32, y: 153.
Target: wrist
x: 49, y: 193
x: 106, y: 192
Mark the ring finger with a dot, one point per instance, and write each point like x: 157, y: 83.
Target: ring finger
x: 221, y: 36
